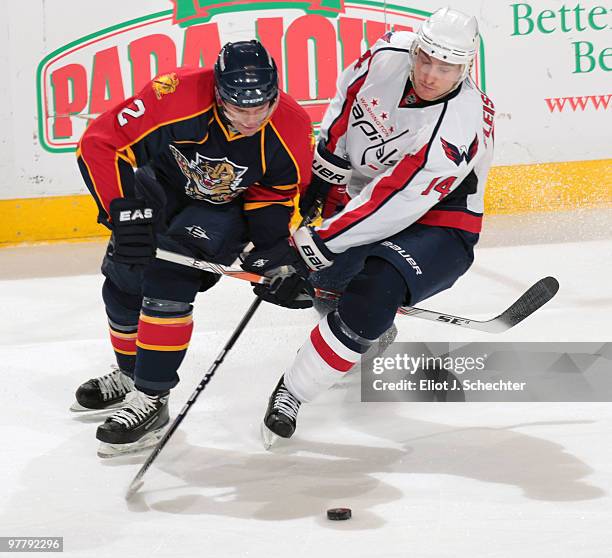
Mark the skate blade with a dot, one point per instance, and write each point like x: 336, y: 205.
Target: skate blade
x: 108, y: 451
x: 84, y: 411
x: 268, y: 438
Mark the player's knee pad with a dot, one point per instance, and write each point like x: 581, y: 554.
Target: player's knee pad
x: 372, y: 298
x: 347, y: 335
x: 158, y: 306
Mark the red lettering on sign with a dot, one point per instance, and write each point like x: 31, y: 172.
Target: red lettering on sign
x: 351, y: 35
x: 107, y: 84
x: 202, y: 45
x: 159, y: 47
x: 74, y: 90
x: 69, y: 95
x: 298, y: 35
x: 397, y: 27
x: 374, y: 31
x: 270, y: 32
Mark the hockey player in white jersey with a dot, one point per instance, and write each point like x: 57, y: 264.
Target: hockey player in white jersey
x: 409, y: 136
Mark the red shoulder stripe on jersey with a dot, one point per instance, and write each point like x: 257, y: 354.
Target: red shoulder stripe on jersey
x: 340, y: 125
x: 453, y: 219
x: 388, y: 186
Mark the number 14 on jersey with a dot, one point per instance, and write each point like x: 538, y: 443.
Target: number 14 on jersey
x: 440, y: 185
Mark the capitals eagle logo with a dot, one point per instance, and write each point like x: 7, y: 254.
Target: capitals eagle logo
x: 462, y: 153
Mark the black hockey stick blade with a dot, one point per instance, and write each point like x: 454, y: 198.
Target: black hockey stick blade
x: 533, y: 299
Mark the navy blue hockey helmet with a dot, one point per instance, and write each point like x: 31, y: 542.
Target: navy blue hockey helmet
x: 245, y: 74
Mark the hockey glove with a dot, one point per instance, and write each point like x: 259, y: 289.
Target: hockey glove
x: 315, y: 254
x: 133, y: 239
x: 289, y: 285
x: 330, y: 175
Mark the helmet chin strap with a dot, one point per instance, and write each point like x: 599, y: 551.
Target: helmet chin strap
x: 224, y: 118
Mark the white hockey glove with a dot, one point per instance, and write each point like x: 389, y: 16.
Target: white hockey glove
x: 330, y: 175
x: 312, y: 249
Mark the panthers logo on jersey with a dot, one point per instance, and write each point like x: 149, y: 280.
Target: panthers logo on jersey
x: 211, y: 180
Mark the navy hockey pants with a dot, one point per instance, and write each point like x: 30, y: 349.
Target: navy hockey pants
x: 406, y: 268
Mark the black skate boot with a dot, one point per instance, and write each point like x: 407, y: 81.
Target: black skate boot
x: 281, y: 415
x: 136, y: 426
x: 104, y: 392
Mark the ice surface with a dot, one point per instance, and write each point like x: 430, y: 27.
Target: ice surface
x: 423, y: 480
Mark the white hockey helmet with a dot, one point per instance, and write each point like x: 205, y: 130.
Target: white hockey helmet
x: 451, y: 36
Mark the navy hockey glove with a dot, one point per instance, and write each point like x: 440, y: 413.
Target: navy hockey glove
x: 330, y: 175
x: 289, y: 286
x: 133, y: 239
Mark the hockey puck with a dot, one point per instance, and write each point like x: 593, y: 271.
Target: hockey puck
x: 339, y: 514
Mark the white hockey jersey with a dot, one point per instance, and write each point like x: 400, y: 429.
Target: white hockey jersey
x: 413, y: 161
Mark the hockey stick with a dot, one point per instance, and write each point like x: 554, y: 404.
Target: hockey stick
x: 531, y: 300
x: 137, y: 481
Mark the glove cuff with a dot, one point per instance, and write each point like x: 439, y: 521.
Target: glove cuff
x: 312, y: 249
x: 330, y: 167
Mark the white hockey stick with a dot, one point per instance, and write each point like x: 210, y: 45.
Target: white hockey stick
x: 531, y: 300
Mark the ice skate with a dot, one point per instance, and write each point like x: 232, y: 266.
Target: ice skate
x: 281, y: 415
x: 139, y: 424
x: 102, y: 394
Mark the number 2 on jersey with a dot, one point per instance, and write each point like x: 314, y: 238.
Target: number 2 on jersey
x: 127, y: 111
x: 441, y: 186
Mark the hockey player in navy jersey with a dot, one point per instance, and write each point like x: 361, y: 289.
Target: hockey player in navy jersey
x: 409, y: 136
x: 220, y: 155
